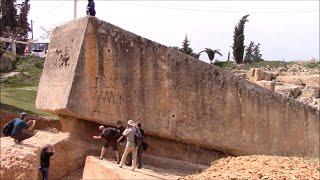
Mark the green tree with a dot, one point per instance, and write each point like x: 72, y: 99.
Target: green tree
x: 253, y: 53
x: 248, y: 55
x: 187, y: 49
x: 8, y: 20
x: 256, y: 55
x: 23, y: 27
x: 211, y: 53
x: 238, y: 40
x: 186, y: 46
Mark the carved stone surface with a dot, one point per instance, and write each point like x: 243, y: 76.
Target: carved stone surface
x: 99, y: 72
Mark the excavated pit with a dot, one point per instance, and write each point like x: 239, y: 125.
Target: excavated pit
x: 84, y: 130
x: 71, y: 136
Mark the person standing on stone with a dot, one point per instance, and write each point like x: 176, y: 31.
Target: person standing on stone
x: 111, y: 135
x: 91, y: 8
x: 140, y: 149
x: 22, y: 130
x: 46, y: 153
x: 129, y: 133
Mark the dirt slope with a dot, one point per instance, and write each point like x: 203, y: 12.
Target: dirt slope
x: 260, y: 167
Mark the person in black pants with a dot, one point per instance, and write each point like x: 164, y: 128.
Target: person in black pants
x: 91, y: 8
x: 46, y: 153
x: 140, y: 150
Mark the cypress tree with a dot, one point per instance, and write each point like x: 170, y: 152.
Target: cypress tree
x: 8, y: 21
x: 238, y: 40
x: 22, y: 23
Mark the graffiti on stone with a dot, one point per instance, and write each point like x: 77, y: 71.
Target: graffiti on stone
x: 63, y: 57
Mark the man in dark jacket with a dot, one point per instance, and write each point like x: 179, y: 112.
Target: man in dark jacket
x: 111, y: 136
x: 46, y: 153
x: 121, y: 128
x: 21, y: 129
x: 91, y: 8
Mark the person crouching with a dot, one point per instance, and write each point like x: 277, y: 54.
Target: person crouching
x: 21, y: 129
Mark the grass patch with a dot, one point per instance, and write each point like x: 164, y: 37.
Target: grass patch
x: 312, y: 65
x: 226, y: 64
x: 30, y: 68
x: 262, y: 64
x: 22, y: 98
x: 18, y: 93
x: 268, y: 64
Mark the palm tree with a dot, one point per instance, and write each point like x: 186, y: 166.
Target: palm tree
x: 211, y: 53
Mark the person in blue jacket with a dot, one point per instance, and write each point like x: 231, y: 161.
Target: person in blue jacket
x: 91, y: 8
x: 22, y: 130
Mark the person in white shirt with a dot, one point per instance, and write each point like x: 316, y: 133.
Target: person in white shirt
x: 129, y: 133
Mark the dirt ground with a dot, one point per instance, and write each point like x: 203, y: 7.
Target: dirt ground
x: 75, y: 175
x: 260, y: 167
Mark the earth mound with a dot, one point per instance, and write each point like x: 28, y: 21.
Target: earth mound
x: 261, y: 167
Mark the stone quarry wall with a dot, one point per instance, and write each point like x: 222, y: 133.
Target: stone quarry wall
x: 99, y: 72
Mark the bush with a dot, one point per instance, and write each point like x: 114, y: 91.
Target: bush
x: 313, y: 65
x: 39, y: 64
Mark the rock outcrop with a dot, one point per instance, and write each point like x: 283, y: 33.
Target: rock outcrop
x: 21, y: 161
x: 17, y: 161
x: 98, y: 72
x: 101, y: 169
x: 7, y: 61
x: 311, y: 80
x: 258, y: 74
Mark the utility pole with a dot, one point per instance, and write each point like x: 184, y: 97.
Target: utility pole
x: 75, y: 9
x: 31, y: 29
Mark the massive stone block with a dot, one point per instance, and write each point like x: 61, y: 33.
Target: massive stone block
x: 99, y: 72
x: 105, y: 170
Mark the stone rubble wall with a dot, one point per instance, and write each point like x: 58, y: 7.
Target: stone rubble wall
x: 98, y: 72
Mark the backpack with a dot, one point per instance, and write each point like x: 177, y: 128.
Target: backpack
x: 138, y: 138
x: 7, y: 129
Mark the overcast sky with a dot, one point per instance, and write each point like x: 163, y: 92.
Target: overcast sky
x: 286, y: 30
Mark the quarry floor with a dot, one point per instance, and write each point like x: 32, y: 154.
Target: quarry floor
x: 242, y: 167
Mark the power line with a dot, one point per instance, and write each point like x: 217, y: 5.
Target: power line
x: 50, y: 11
x: 216, y: 10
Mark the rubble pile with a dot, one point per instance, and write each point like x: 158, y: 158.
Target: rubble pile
x: 260, y: 167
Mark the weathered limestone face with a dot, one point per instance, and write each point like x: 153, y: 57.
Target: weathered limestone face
x: 98, y: 72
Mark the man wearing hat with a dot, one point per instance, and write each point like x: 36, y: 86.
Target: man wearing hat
x: 130, y: 145
x: 22, y: 130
